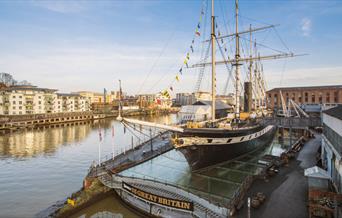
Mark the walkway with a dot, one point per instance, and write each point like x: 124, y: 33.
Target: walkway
x: 286, y: 193
x: 138, y: 154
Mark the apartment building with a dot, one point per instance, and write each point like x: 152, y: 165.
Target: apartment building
x: 18, y: 100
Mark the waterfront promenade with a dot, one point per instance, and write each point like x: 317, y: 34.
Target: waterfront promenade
x: 286, y: 193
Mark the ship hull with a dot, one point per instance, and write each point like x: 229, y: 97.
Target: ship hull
x: 203, y: 155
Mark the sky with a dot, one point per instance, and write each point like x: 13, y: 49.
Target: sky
x: 90, y: 45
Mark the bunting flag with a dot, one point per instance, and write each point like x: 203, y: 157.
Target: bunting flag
x: 222, y: 40
x: 197, y: 33
x: 165, y: 93
x: 219, y: 33
x: 225, y: 49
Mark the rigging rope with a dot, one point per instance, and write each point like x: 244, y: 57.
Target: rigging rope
x: 155, y: 61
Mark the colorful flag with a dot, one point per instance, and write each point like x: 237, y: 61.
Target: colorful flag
x: 192, y: 49
x: 198, y: 33
x: 171, y: 88
x: 185, y: 61
x: 187, y: 56
x: 193, y: 41
x: 221, y: 40
x: 198, y: 26
x: 187, y: 66
x: 177, y: 78
x: 181, y: 70
x: 165, y: 93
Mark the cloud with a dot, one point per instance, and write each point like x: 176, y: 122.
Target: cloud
x: 307, y: 77
x: 61, y: 6
x: 306, y: 26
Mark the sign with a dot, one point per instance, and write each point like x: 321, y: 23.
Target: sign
x: 169, y: 202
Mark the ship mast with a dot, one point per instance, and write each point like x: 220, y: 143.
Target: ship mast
x: 237, y: 64
x: 213, y: 67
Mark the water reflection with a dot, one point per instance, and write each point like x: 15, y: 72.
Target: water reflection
x: 47, y: 140
x: 106, y: 208
x: 41, y: 166
x: 29, y: 143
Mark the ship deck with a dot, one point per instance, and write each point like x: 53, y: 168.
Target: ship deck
x: 219, y: 184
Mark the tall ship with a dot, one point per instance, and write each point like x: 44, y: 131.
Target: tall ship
x: 221, y: 139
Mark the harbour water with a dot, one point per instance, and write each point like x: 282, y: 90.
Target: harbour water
x: 40, y: 167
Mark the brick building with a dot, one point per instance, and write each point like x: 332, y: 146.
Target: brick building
x: 305, y: 95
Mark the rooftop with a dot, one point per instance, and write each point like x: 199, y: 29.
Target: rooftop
x: 69, y: 94
x: 28, y: 87
x: 219, y: 105
x: 306, y: 87
x: 335, y: 112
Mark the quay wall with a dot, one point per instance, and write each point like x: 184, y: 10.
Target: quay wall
x: 13, y: 122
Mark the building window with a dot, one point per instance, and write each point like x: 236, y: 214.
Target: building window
x: 20, y: 102
x: 306, y: 97
x: 13, y: 96
x: 20, y: 96
x: 327, y: 97
x: 39, y: 97
x: 20, y: 112
x: 13, y: 107
x: 39, y: 102
x: 335, y: 97
x: 293, y: 96
x: 20, y: 107
x: 13, y: 102
x: 320, y: 98
x: 313, y: 97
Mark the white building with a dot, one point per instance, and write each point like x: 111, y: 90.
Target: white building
x: 332, y: 144
x: 190, y: 98
x: 19, y: 100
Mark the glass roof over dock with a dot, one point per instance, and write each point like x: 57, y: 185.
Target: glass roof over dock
x: 218, y: 183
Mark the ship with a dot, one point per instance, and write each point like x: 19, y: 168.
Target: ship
x: 217, y: 140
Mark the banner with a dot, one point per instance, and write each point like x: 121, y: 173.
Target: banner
x: 157, y: 199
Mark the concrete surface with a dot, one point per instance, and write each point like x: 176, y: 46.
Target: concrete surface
x: 287, y: 192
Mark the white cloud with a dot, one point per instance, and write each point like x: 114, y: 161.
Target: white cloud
x: 306, y: 26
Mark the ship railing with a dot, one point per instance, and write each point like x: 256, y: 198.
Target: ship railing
x: 177, y: 190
